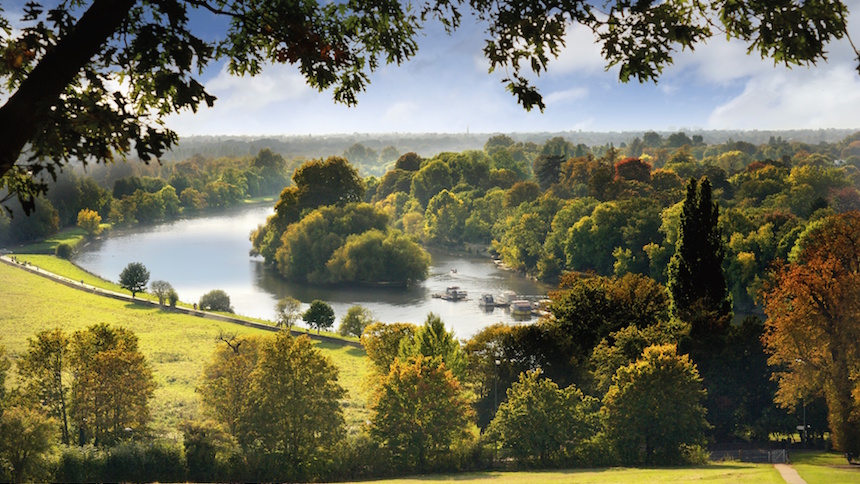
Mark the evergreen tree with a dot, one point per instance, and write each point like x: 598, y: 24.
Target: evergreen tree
x: 697, y: 284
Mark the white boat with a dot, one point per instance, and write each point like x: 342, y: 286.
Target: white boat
x: 452, y: 293
x: 487, y: 301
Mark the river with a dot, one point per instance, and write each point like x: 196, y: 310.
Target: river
x: 196, y: 255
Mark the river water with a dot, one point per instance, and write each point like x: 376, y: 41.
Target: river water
x: 197, y: 255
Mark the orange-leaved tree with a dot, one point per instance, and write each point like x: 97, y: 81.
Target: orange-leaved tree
x: 813, y: 325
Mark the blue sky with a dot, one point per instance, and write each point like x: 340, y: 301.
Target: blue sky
x: 445, y: 88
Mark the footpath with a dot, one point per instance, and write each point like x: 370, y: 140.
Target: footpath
x: 789, y: 474
x: 79, y: 285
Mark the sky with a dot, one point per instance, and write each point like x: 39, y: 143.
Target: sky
x: 446, y: 88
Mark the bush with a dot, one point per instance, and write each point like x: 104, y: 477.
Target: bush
x: 172, y: 297
x: 80, y: 464
x: 216, y: 300
x: 154, y: 461
x: 64, y: 250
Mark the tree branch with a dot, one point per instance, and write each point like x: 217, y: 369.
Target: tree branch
x: 31, y: 103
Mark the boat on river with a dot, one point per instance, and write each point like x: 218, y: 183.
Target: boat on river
x: 453, y: 293
x: 521, y: 307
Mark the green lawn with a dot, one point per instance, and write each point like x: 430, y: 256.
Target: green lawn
x: 177, y: 345
x: 718, y: 473
x: 72, y: 236
x: 824, y: 468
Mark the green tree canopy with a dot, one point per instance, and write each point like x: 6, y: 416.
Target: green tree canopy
x: 215, y: 300
x: 112, y: 386
x: 433, y: 340
x: 653, y: 409
x: 356, y: 319
x: 418, y: 411
x: 541, y: 422
x: 293, y: 413
x: 319, y: 315
x: 134, y: 278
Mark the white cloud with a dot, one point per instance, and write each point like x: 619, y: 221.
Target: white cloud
x: 581, y: 53
x: 401, y: 112
x: 274, y: 84
x: 568, y: 95
x: 802, y: 98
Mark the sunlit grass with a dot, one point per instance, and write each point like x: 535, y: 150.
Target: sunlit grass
x: 72, y: 236
x: 734, y: 472
x: 177, y: 346
x: 824, y: 468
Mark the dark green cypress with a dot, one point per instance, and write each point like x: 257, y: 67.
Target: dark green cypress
x: 697, y: 284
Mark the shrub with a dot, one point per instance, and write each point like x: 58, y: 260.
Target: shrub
x: 172, y: 297
x: 216, y: 300
x: 154, y: 461
x: 80, y: 464
x: 64, y: 250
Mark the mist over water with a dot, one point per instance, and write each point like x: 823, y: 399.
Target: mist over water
x: 197, y: 255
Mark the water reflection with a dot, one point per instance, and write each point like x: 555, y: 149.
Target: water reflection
x: 201, y: 254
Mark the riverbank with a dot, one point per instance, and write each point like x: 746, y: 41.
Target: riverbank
x: 105, y: 289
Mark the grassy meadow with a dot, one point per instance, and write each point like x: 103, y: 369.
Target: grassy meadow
x: 825, y: 468
x: 177, y: 345
x: 731, y: 472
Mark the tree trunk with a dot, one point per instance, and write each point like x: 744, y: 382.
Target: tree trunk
x: 29, y: 106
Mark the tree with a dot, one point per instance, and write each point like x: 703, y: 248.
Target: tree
x: 225, y: 380
x: 215, y: 300
x: 376, y: 257
x: 696, y: 281
x: 47, y: 375
x: 27, y: 437
x: 432, y: 340
x: 134, y: 278
x: 382, y: 343
x: 543, y: 422
x: 112, y: 386
x: 418, y: 411
x: 812, y: 327
x: 653, y: 409
x: 317, y: 183
x: 62, y: 63
x: 445, y: 218
x: 293, y: 412
x: 90, y: 220
x: 287, y: 312
x: 319, y: 315
x: 161, y: 290
x: 356, y: 319
x: 431, y: 179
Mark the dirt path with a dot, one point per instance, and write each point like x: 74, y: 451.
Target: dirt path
x: 789, y: 474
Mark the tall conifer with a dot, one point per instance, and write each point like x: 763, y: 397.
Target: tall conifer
x: 697, y: 284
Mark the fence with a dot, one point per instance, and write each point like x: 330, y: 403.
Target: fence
x: 776, y: 456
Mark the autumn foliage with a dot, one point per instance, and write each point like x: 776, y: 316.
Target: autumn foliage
x: 813, y: 305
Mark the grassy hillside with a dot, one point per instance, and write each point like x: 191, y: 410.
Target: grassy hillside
x: 177, y: 346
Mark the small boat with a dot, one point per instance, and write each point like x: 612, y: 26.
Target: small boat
x: 452, y: 293
x: 487, y: 301
x: 521, y: 307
